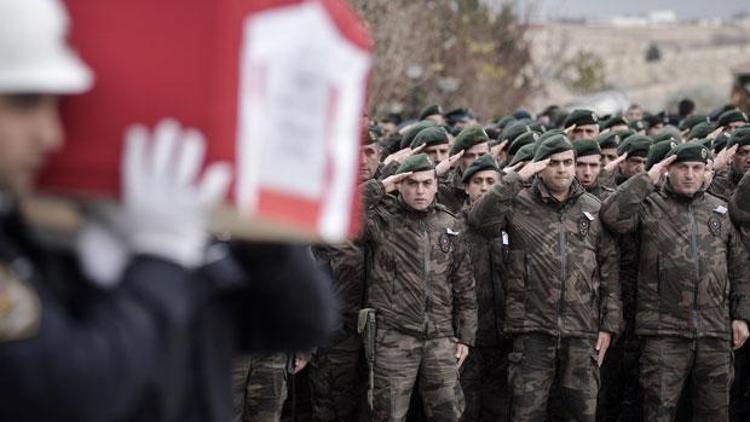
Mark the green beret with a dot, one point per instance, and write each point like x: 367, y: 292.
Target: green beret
x: 614, y: 121
x: 731, y: 116
x: 485, y: 162
x: 689, y: 152
x: 669, y: 132
x: 659, y: 152
x: 412, y: 132
x: 581, y: 117
x: 585, y: 147
x: 418, y: 162
x: 552, y: 145
x: 637, y: 125
x: 430, y: 136
x: 525, y: 153
x: 625, y: 134
x: 470, y: 136
x: 525, y: 139
x: 514, y: 130
x: 689, y: 122
x: 430, y: 110
x: 635, y: 146
x: 505, y: 121
x: 740, y: 137
x: 701, y: 130
x: 608, y: 140
x: 706, y: 142
x: 720, y: 142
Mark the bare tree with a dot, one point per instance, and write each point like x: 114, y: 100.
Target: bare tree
x: 450, y: 52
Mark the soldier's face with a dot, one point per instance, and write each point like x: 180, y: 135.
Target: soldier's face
x: 587, y: 169
x: 634, y: 113
x: 560, y: 171
x: 437, y: 153
x: 369, y: 160
x: 30, y: 129
x: 419, y: 189
x: 481, y: 182
x: 608, y: 155
x: 686, y: 177
x: 585, y: 132
x: 741, y: 162
x: 473, y: 153
x: 730, y: 128
x: 632, y: 166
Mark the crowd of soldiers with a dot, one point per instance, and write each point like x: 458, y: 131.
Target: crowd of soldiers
x: 569, y: 266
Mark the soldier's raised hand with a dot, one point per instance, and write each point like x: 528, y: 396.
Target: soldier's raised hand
x: 713, y: 135
x: 497, y: 150
x: 612, y: 165
x: 724, y: 157
x: 740, y: 333
x: 390, y: 183
x: 445, y: 165
x: 531, y: 168
x: 569, y: 130
x: 401, y: 155
x: 658, y: 170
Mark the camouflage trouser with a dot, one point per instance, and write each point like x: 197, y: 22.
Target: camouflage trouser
x: 401, y: 359
x: 537, y: 361
x: 484, y: 379
x: 259, y: 387
x: 667, y: 362
x: 336, y: 378
x: 620, y: 398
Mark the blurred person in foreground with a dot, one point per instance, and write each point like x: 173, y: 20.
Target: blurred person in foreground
x: 137, y: 325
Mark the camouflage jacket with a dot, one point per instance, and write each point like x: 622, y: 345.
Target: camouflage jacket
x: 693, y: 271
x: 451, y: 193
x: 347, y: 265
x: 421, y: 276
x: 562, y: 276
x: 486, y: 254
x: 724, y: 183
x: 739, y: 208
x: 599, y: 190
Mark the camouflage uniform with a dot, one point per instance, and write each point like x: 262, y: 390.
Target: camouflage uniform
x: 739, y: 208
x: 725, y: 183
x: 562, y: 290
x: 421, y: 285
x: 260, y: 387
x: 485, y: 372
x: 336, y: 368
x: 692, y: 282
x: 451, y: 193
x: 620, y: 398
x: 599, y: 190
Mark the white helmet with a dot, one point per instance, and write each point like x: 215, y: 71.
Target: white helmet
x: 34, y: 54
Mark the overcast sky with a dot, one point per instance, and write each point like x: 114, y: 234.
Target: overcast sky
x: 685, y: 9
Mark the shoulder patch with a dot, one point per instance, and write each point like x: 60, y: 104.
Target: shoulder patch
x: 20, y: 308
x: 588, y: 215
x: 452, y: 232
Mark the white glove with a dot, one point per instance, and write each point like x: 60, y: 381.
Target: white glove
x: 166, y: 207
x: 101, y: 246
